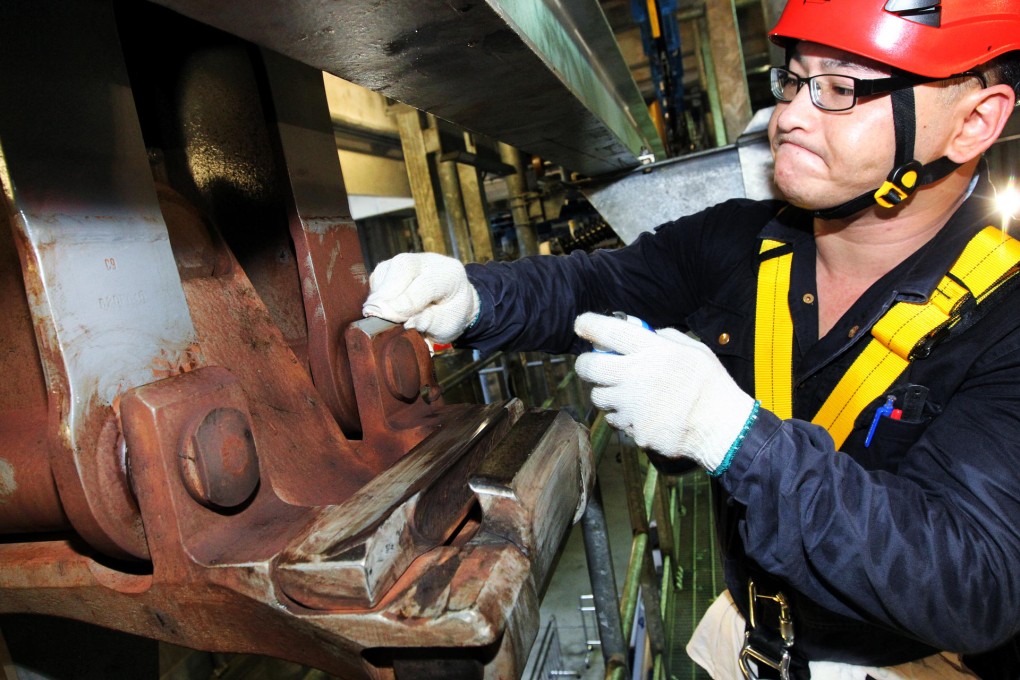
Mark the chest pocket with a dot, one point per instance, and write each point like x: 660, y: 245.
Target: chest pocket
x: 893, y: 438
x: 727, y: 332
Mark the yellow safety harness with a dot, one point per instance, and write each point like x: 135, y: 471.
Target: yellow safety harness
x: 907, y: 331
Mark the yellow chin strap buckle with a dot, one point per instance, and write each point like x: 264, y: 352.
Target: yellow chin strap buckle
x: 901, y: 183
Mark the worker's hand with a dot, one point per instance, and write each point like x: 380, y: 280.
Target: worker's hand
x: 425, y: 291
x: 664, y: 389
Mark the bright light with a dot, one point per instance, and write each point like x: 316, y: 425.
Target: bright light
x: 1008, y: 202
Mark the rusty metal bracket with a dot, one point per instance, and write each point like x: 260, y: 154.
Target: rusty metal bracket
x: 180, y: 466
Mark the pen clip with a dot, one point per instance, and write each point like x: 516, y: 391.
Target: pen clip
x: 885, y: 409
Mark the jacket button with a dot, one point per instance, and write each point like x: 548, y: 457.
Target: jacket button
x: 853, y: 332
x: 724, y: 339
x: 808, y: 298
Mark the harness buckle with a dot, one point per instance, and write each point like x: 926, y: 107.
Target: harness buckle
x: 780, y: 662
x: 900, y: 183
x: 924, y: 346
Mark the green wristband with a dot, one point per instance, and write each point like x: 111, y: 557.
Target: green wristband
x: 728, y: 458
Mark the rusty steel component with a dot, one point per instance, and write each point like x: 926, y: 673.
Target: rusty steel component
x: 333, y: 276
x: 219, y: 482
x: 475, y: 591
x: 445, y: 606
x: 217, y: 459
x: 103, y: 288
x: 28, y: 495
x: 511, y: 483
x: 391, y: 365
x: 336, y: 563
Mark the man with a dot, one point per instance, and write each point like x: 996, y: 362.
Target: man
x: 869, y: 505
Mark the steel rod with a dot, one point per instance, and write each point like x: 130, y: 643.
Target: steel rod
x: 459, y: 375
x: 603, y: 582
x: 567, y: 379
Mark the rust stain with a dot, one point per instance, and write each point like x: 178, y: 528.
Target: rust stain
x: 308, y: 284
x: 168, y: 364
x: 431, y: 590
x: 333, y: 253
x: 360, y: 273
x: 8, y: 485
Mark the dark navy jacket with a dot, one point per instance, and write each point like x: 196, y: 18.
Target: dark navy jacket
x: 889, y: 552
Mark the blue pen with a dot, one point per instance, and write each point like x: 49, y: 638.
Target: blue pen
x: 623, y: 316
x: 885, y: 409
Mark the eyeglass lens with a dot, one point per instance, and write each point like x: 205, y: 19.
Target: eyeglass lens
x: 828, y: 91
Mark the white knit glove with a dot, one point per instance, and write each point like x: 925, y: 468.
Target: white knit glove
x: 425, y: 291
x: 664, y: 389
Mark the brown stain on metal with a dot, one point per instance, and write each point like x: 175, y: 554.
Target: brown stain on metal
x: 431, y: 592
x: 19, y: 351
x: 8, y: 483
x: 168, y: 364
x: 35, y: 291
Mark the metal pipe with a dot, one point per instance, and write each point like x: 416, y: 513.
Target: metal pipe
x: 616, y: 670
x: 707, y: 63
x: 457, y: 376
x: 600, y: 434
x: 651, y: 482
x: 567, y: 379
x: 603, y: 582
x: 517, y: 185
x: 632, y: 584
x: 651, y: 595
x: 453, y: 204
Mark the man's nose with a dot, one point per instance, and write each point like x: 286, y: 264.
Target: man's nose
x: 791, y: 114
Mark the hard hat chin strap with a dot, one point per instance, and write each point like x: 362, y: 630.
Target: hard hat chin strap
x: 907, y: 173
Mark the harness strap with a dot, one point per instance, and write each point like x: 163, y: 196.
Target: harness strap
x: 907, y: 331
x: 773, y: 328
x: 907, y: 174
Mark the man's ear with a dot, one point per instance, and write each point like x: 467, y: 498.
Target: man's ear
x: 983, y: 114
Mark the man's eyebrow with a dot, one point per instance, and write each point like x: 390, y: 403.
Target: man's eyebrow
x: 830, y: 63
x: 845, y: 63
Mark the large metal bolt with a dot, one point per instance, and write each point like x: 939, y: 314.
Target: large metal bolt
x: 218, y: 462
x: 403, y: 377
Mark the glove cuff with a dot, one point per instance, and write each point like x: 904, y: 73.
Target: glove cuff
x: 476, y: 307
x: 724, y: 465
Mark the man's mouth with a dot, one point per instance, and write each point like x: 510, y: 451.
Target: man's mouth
x: 794, y: 143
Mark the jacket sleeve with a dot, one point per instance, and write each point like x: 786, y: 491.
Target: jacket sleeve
x: 931, y: 550
x: 531, y: 304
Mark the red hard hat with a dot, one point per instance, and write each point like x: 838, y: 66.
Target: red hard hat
x: 928, y: 37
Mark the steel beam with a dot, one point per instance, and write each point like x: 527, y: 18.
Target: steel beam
x: 728, y: 58
x: 416, y: 159
x: 772, y: 9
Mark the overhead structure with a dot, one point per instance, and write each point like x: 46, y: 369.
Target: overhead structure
x: 686, y: 185
x: 546, y: 77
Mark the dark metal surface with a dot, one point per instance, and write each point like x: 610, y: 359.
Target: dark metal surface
x: 514, y: 73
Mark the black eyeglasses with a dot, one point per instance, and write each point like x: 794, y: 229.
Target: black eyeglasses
x: 836, y: 92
